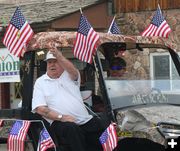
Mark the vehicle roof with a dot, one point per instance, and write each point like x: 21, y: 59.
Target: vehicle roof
x: 45, y: 40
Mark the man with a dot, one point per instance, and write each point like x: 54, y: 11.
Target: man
x: 117, y: 67
x: 57, y: 98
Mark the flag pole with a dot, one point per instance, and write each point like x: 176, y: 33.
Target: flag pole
x: 17, y: 4
x: 80, y: 10
x: 159, y: 8
x: 111, y: 23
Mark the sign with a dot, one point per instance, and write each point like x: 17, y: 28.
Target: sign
x: 9, y: 67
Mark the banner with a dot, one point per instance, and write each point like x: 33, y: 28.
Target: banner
x: 9, y: 67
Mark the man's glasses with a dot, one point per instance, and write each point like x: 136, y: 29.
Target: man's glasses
x: 117, y: 67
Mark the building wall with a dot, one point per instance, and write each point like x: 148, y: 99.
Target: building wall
x: 142, y: 5
x: 136, y: 22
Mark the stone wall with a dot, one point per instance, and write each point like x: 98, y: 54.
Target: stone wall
x: 136, y: 22
x: 138, y: 63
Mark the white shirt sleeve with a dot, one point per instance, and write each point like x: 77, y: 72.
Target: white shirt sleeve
x: 76, y: 82
x: 38, y: 96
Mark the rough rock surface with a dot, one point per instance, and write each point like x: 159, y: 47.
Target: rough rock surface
x: 143, y: 122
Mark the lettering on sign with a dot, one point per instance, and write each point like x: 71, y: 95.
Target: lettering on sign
x: 152, y: 97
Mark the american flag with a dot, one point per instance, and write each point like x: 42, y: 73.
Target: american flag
x: 108, y: 138
x: 114, y: 29
x: 17, y: 135
x: 45, y: 141
x: 18, y: 34
x: 86, y: 41
x: 1, y: 123
x: 158, y: 27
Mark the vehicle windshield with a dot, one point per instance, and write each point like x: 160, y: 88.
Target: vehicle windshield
x: 149, y: 77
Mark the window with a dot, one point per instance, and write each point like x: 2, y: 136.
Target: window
x: 163, y: 71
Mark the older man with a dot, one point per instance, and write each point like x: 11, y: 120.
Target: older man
x: 58, y: 99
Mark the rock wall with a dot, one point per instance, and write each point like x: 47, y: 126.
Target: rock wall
x: 138, y: 63
x: 136, y: 22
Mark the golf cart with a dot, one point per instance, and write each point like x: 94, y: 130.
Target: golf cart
x: 144, y: 102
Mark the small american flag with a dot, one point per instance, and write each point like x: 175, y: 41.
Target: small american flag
x: 86, y: 41
x: 158, y: 27
x: 114, y: 29
x: 1, y: 123
x: 18, y: 34
x: 108, y: 138
x: 45, y: 141
x: 17, y: 135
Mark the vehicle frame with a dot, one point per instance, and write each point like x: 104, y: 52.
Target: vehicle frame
x: 62, y: 40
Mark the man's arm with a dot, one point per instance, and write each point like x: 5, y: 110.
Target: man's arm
x: 65, y: 64
x: 53, y: 115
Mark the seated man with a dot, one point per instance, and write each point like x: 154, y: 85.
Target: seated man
x: 117, y: 67
x: 57, y: 98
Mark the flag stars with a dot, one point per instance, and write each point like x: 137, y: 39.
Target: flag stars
x: 45, y: 141
x: 158, y: 18
x: 17, y: 34
x: 18, y: 19
x: 84, y: 26
x: 114, y: 28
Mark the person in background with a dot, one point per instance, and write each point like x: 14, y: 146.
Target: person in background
x: 57, y: 97
x: 117, y: 67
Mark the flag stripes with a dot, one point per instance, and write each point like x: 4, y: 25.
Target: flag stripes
x: 17, y: 135
x: 45, y: 141
x: 158, y: 27
x: 108, y: 138
x: 86, y: 41
x: 163, y: 30
x: 17, y: 34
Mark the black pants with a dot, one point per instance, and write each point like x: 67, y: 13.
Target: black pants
x: 79, y: 138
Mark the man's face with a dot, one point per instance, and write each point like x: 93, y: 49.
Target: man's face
x: 54, y: 70
x: 117, y: 73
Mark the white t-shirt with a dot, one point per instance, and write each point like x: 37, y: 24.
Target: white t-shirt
x: 61, y: 95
